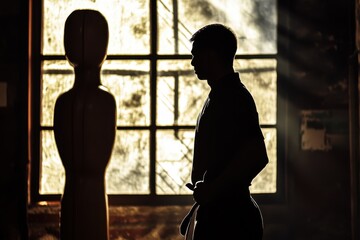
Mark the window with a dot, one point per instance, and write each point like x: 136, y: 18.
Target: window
x: 158, y: 96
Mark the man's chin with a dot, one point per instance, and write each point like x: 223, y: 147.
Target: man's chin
x: 200, y: 77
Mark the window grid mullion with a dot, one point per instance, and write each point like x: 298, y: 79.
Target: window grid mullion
x: 153, y: 76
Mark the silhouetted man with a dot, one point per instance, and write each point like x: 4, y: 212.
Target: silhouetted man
x: 229, y: 146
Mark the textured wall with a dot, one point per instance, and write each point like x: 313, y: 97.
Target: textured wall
x: 13, y: 120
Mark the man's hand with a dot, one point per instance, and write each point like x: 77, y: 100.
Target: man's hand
x: 202, y: 192
x: 190, y: 186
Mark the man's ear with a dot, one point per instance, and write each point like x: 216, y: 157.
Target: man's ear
x: 211, y: 53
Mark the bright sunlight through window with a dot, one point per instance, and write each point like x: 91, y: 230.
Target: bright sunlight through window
x: 160, y: 134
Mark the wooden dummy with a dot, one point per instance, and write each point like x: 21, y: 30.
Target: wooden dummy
x: 84, y: 128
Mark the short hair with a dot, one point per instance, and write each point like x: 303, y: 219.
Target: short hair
x: 218, y: 37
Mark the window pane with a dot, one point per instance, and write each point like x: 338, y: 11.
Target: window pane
x: 128, y: 170
x: 129, y: 82
x: 57, y: 78
x: 259, y: 76
x: 265, y: 182
x: 174, y: 161
x: 254, y: 22
x: 128, y: 24
x: 180, y: 94
x: 52, y: 177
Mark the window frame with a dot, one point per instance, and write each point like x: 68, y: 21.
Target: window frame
x: 35, y: 60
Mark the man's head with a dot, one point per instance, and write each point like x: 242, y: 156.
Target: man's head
x: 214, y: 48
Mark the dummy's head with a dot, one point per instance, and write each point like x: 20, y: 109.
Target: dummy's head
x: 86, y: 37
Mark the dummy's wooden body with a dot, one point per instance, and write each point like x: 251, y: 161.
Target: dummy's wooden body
x: 84, y: 127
